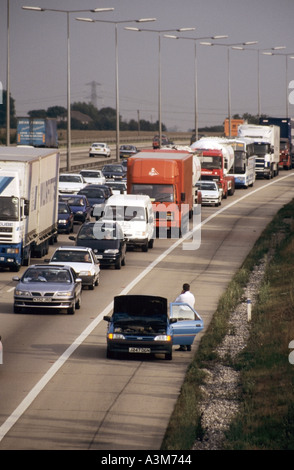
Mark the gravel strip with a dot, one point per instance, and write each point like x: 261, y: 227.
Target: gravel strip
x: 221, y: 389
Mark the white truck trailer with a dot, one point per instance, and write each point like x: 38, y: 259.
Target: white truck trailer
x: 28, y: 204
x: 266, y: 147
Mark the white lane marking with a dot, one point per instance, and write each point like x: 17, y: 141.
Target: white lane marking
x: 27, y: 401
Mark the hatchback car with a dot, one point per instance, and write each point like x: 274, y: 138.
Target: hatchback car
x: 141, y: 324
x: 114, y: 171
x: 126, y: 151
x: 106, y: 240
x: 99, y: 148
x: 93, y: 176
x: 95, y: 195
x: 80, y: 206
x: 70, y: 183
x: 82, y: 260
x: 210, y: 193
x: 65, y: 218
x: 51, y: 287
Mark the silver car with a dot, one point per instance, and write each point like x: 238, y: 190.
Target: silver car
x: 48, y: 286
x: 82, y: 260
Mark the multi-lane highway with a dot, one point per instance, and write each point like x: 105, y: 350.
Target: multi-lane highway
x: 57, y: 389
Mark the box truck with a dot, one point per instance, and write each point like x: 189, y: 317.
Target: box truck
x: 266, y: 147
x: 286, y: 126
x: 28, y: 204
x: 37, y: 132
x: 168, y: 178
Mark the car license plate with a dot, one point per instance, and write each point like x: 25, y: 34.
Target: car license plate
x: 41, y: 299
x: 99, y: 256
x: 140, y: 350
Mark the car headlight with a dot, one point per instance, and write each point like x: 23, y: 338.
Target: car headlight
x: 62, y: 221
x: 12, y: 250
x: 24, y: 293
x: 64, y: 294
x: 112, y: 251
x: 79, y: 212
x: 163, y: 338
x: 115, y: 336
x: 85, y: 273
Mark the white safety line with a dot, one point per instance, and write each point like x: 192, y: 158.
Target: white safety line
x: 36, y: 390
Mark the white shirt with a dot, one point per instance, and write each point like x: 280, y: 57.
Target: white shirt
x: 187, y: 297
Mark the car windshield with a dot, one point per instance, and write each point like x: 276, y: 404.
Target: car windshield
x: 100, y: 231
x: 76, y: 201
x: 124, y: 213
x: 71, y: 256
x: 93, y: 193
x: 63, y: 209
x: 113, y: 168
x: 207, y: 186
x: 46, y: 275
x: 70, y: 179
x: 91, y: 174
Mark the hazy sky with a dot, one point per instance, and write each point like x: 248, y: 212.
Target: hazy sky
x: 38, y: 57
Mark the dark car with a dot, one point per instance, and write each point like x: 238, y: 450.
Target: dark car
x: 95, y: 194
x: 141, y: 324
x: 48, y: 286
x: 126, y: 151
x: 65, y: 218
x: 106, y: 240
x: 80, y: 206
x: 114, y: 171
x: 164, y: 141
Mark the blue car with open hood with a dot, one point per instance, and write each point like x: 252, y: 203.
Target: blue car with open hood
x: 141, y: 324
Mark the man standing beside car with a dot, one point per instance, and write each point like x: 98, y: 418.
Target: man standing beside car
x: 188, y: 298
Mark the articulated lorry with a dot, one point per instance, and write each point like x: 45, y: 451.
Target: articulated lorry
x: 28, y: 204
x: 286, y: 126
x: 266, y: 147
x: 37, y: 132
x: 217, y: 159
x: 168, y: 177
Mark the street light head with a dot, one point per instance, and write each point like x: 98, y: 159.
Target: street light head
x: 249, y: 43
x: 32, y: 8
x: 145, y: 20
x: 180, y: 30
x: 219, y: 37
x: 89, y: 20
x: 206, y: 44
x: 97, y: 10
x: 130, y: 28
x: 171, y: 36
x: 239, y: 48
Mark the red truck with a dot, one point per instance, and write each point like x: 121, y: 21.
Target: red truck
x: 167, y: 177
x: 217, y: 158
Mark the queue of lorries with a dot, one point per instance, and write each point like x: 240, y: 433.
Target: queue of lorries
x: 163, y: 186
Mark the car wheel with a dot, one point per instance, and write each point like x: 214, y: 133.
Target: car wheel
x: 145, y: 247
x: 78, y: 303
x: 123, y: 261
x: 97, y: 280
x: 118, y: 264
x: 72, y: 309
x: 168, y: 356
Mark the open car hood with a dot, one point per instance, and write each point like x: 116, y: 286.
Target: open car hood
x: 141, y: 305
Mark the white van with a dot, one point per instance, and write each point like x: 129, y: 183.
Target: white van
x: 135, y: 215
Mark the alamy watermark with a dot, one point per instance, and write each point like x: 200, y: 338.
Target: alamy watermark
x: 291, y: 94
x: 173, y: 223
x: 1, y: 93
x: 291, y: 355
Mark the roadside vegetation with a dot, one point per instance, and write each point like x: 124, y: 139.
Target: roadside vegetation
x: 266, y: 417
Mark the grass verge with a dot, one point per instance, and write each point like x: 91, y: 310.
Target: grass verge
x: 266, y: 417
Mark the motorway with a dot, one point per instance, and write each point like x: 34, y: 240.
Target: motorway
x: 57, y: 389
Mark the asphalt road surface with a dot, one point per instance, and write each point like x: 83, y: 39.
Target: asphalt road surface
x: 57, y: 389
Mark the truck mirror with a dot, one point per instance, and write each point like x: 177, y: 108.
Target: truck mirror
x: 183, y: 197
x: 26, y: 207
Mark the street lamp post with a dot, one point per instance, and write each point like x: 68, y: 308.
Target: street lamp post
x: 159, y: 32
x: 240, y: 48
x: 67, y: 12
x: 8, y: 82
x: 291, y: 56
x: 228, y: 46
x: 142, y: 20
x: 195, y: 72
